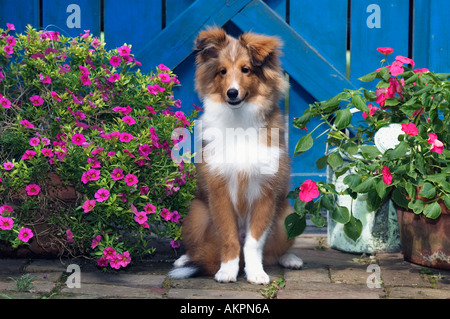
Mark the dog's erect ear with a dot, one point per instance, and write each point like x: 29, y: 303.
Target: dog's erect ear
x: 210, y: 41
x: 261, y: 47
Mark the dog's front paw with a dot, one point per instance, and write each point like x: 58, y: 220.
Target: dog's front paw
x: 228, y: 271
x: 259, y: 277
x: 290, y: 261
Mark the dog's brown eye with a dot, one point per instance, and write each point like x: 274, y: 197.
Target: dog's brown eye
x: 223, y: 71
x: 245, y: 70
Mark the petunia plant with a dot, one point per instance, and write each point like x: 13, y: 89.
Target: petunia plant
x: 397, y: 148
x: 75, y: 116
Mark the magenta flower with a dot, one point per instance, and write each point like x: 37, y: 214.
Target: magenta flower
x: 129, y: 120
x: 101, y: 195
x: 140, y: 217
x: 113, y: 78
x: 124, y: 50
x: 33, y: 189
x: 25, y: 234
x: 44, y: 79
x: 155, y: 89
x: 403, y: 59
x: 102, y: 262
x: 5, y: 208
x: 26, y: 123
x: 115, y: 261
x: 95, y: 42
x: 165, y: 213
x: 36, y: 100
x: 125, y: 137
x: 149, y: 209
x: 11, y: 40
x: 372, y: 110
x: 387, y: 177
x: 175, y: 244
x: 55, y: 96
x: 6, y: 223
x: 34, y: 141
x: 125, y: 259
x: 5, y: 102
x: 85, y: 80
x: 84, y: 70
x: 308, y: 191
x: 117, y: 174
x: 8, y: 166
x: 115, y: 60
x: 109, y: 252
x: 8, y: 49
x: 47, y: 152
x: 29, y: 154
x: 88, y: 205
x: 175, y: 216
x: 144, y: 150
x: 385, y: 50
x: 422, y: 70
x: 96, y: 241
x: 436, y: 145
x: 410, y: 129
x: 69, y: 236
x: 78, y: 139
x: 10, y: 26
x: 396, y: 68
x: 131, y: 179
x: 162, y: 67
x: 164, y: 77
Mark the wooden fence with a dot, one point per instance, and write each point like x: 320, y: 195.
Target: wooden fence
x: 328, y: 43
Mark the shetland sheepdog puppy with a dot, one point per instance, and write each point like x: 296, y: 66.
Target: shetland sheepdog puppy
x: 236, y: 220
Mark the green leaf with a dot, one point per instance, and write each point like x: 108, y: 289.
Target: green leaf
x: 304, y: 144
x: 352, y: 180
x: 447, y: 200
x: 384, y: 73
x: 428, y: 190
x: 358, y: 102
x: 399, y: 198
x: 373, y: 201
x: 341, y: 214
x: 353, y: 228
x: 381, y: 188
x: 399, y: 151
x: 292, y: 195
x: 335, y: 160
x: 300, y: 122
x: 391, y: 102
x: 368, y: 77
x: 327, y: 202
x: 417, y: 206
x: 299, y: 205
x: 369, y: 151
x: 322, y: 162
x: 317, y: 219
x: 295, y: 225
x: 350, y: 148
x: 367, y: 185
x: 433, y: 210
x: 343, y: 118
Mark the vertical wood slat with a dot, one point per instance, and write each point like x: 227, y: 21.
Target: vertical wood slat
x: 54, y: 17
x: 14, y: 12
x: 133, y: 22
x: 393, y: 32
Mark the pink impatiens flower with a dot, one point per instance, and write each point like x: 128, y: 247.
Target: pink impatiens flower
x: 69, y: 236
x: 387, y: 177
x: 101, y: 195
x: 25, y: 234
x: 396, y: 68
x: 308, y: 191
x: 55, y: 96
x: 410, y: 129
x: 131, y: 179
x: 32, y: 189
x: 372, y: 110
x: 436, y: 145
x: 385, y: 50
x: 88, y: 205
x: 403, y: 59
x: 150, y: 208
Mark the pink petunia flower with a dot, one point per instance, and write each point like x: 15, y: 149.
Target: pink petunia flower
x: 88, y: 205
x: 84, y: 70
x: 55, y: 96
x: 29, y: 154
x: 34, y: 141
x: 125, y: 137
x: 26, y: 123
x: 436, y: 145
x: 125, y: 259
x: 36, y: 100
x: 11, y: 40
x: 95, y: 42
x: 69, y: 236
x: 162, y: 67
x: 150, y: 208
x: 44, y: 79
x: 6, y: 104
x: 175, y: 244
x: 102, y: 262
x: 308, y: 191
x: 117, y: 174
x: 32, y: 189
x: 115, y: 261
x: 155, y: 89
x: 164, y: 77
x: 25, y: 234
x: 140, y: 217
x: 131, y: 179
x: 109, y: 252
x: 410, y: 129
x: 129, y: 120
x: 95, y: 241
x: 5, y: 208
x: 165, y: 213
x: 6, y: 223
x: 48, y: 152
x: 387, y: 177
x: 115, y: 60
x: 8, y: 49
x: 8, y: 166
x: 78, y: 139
x: 85, y: 80
x: 113, y: 78
x: 101, y: 195
x: 10, y: 26
x: 422, y: 70
x: 175, y: 216
x: 124, y: 50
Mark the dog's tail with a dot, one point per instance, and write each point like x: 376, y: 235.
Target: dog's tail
x: 187, y: 271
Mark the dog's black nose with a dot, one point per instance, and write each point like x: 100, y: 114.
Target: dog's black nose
x: 232, y: 93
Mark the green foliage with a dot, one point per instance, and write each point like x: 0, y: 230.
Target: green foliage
x: 76, y: 117
x: 414, y: 172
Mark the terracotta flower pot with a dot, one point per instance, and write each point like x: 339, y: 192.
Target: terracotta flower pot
x: 425, y: 241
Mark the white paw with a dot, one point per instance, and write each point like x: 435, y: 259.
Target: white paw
x: 180, y: 262
x: 290, y: 261
x: 258, y: 277
x: 228, y: 271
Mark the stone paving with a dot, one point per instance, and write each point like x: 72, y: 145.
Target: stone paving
x: 327, y: 274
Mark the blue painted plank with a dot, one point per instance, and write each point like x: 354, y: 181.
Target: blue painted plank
x: 393, y: 32
x: 323, y: 24
x: 301, y: 60
x: 12, y: 11
x: 421, y: 33
x: 174, y: 44
x: 439, y: 36
x: 134, y: 23
x: 62, y: 17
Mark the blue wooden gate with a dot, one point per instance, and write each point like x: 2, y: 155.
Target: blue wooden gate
x: 328, y: 43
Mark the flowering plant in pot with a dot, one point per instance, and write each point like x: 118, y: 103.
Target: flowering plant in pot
x: 398, y: 149
x: 75, y: 116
